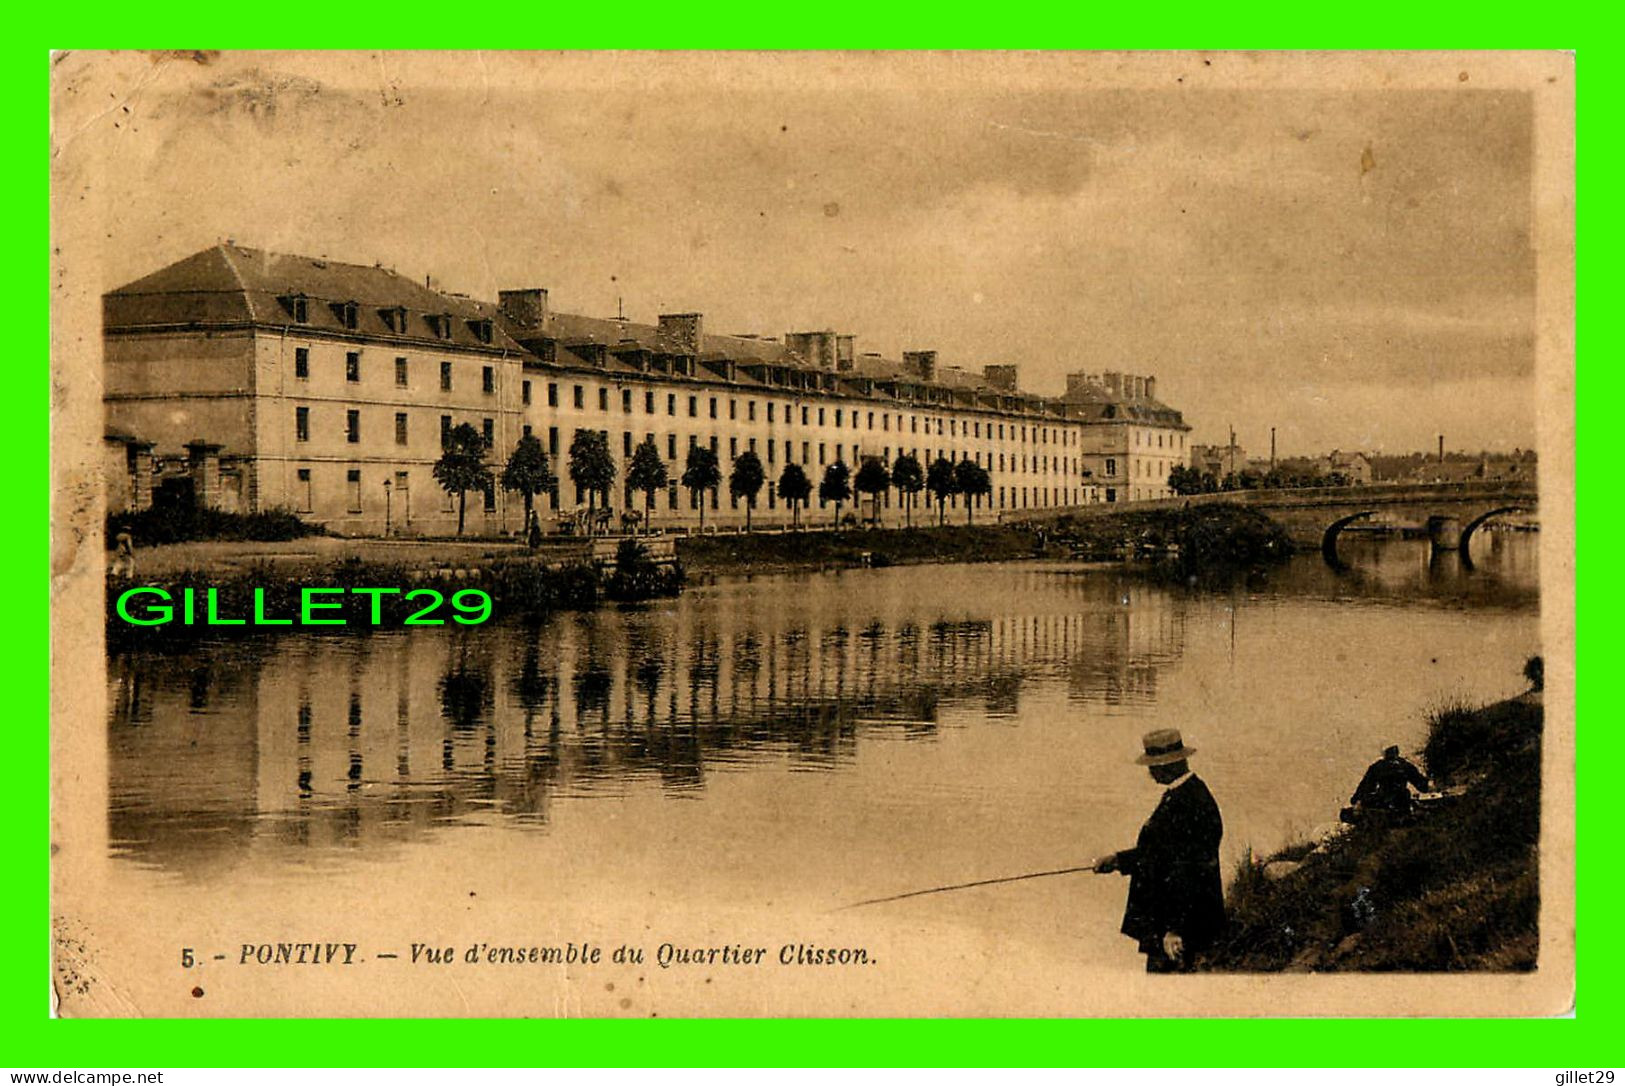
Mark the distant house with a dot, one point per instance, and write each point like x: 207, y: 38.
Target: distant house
x: 1484, y: 469
x: 1353, y: 466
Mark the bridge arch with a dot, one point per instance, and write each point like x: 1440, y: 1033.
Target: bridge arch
x: 1328, y: 541
x: 1473, y: 525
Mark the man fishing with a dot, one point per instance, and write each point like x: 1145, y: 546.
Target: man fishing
x: 1175, y: 895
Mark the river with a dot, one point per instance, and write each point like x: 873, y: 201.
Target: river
x: 737, y: 763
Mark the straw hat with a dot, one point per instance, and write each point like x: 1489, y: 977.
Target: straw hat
x: 1164, y: 747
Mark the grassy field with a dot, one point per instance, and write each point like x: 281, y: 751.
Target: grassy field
x: 1455, y: 890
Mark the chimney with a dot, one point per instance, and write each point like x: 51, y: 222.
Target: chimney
x: 1150, y: 388
x: 1139, y: 388
x: 845, y: 348
x: 1272, y: 448
x: 923, y: 363
x: 685, y: 330
x: 1078, y: 382
x: 818, y: 348
x: 1114, y: 383
x: 1441, y: 448
x: 525, y: 308
x: 1002, y: 378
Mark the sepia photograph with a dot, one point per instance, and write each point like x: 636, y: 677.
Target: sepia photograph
x: 618, y: 534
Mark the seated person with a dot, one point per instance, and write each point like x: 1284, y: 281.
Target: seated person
x: 1387, y: 785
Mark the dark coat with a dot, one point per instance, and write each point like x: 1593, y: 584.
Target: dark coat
x: 1173, y: 870
x: 1386, y: 786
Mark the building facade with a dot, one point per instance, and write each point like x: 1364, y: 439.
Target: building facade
x: 269, y: 381
x: 1132, y: 440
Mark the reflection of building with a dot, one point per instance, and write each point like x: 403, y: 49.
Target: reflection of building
x: 252, y: 380
x: 376, y: 739
x: 1132, y: 439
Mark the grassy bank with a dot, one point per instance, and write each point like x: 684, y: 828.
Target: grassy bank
x: 763, y: 552
x: 1456, y: 889
x: 1213, y: 538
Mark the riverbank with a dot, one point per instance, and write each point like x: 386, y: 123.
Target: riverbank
x: 1456, y: 889
x: 1209, y: 539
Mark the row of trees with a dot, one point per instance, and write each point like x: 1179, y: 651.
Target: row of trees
x: 462, y: 467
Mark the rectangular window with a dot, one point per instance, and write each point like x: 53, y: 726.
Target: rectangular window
x: 770, y: 447
x: 671, y: 446
x: 489, y: 431
x: 524, y: 392
x: 693, y: 407
x: 352, y: 480
x: 301, y: 424
x: 769, y: 412
x: 626, y: 443
x: 352, y: 366
x: 302, y: 493
x: 713, y: 407
x: 733, y: 448
x: 750, y: 410
x: 671, y: 495
x: 871, y: 420
x: 301, y: 363
x: 580, y: 397
x: 400, y: 427
x: 400, y: 373
x: 626, y: 400
x: 488, y: 380
x: 733, y: 409
x: 352, y: 426
x: 552, y: 394
x: 648, y: 403
x: 445, y: 377
x: 837, y: 417
x: 527, y: 429
x: 603, y: 399
x: 553, y: 442
x: 803, y: 416
x: 445, y: 430
x: 490, y: 498
x: 1111, y: 466
x: 820, y: 452
x: 671, y: 404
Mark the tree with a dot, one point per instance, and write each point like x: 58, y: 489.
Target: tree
x: 795, y: 488
x: 1185, y: 480
x: 873, y: 479
x: 943, y: 484
x: 836, y: 486
x: 701, y: 474
x: 592, y: 468
x: 907, y: 477
x: 745, y: 480
x: 461, y: 466
x: 528, y: 472
x: 974, y: 482
x: 647, y: 474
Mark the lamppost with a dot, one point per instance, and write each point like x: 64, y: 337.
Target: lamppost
x: 388, y: 488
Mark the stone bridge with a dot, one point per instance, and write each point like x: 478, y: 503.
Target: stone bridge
x: 1449, y: 512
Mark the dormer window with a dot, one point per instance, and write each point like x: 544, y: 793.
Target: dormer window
x: 348, y: 313
x: 396, y: 319
x: 298, y: 307
x: 441, y: 323
x: 482, y: 330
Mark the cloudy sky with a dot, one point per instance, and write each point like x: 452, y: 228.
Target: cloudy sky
x: 1352, y: 267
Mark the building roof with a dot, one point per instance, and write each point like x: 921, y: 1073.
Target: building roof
x: 234, y: 284
x: 231, y: 284
x: 1091, y: 399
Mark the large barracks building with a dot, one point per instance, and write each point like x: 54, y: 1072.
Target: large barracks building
x: 255, y: 380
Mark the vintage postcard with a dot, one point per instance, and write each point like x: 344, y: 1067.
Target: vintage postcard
x: 812, y: 534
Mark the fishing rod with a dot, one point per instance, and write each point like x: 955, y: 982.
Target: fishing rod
x: 969, y: 885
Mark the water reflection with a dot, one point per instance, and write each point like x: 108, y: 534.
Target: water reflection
x: 340, y: 748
